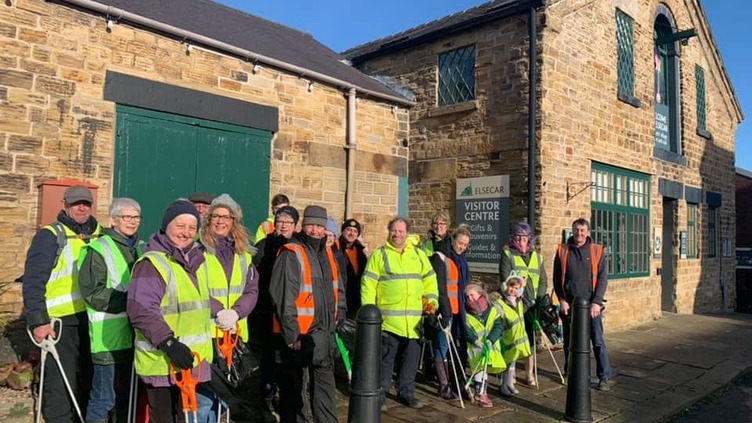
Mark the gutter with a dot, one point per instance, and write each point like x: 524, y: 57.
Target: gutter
x: 532, y: 148
x: 351, y: 147
x: 192, y: 37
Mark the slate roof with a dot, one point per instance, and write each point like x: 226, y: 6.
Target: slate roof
x: 251, y: 33
x: 455, y: 22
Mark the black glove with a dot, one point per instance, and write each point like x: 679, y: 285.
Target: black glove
x: 445, y: 322
x: 179, y: 353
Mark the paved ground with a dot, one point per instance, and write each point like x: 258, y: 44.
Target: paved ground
x: 661, y: 368
x: 733, y: 404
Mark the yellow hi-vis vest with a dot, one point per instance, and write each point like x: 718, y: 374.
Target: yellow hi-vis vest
x: 108, y: 331
x: 496, y: 363
x: 264, y: 228
x: 530, y: 271
x: 514, y: 342
x: 63, y: 296
x: 186, y: 311
x: 228, y: 293
x: 397, y: 283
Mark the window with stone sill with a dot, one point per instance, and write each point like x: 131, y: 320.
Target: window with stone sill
x: 620, y: 219
x: 456, y: 76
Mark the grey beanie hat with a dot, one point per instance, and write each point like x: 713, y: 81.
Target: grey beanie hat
x: 315, y: 215
x: 225, y: 201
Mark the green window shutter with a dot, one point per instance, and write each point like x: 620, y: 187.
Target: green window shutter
x: 701, y: 105
x: 625, y: 54
x: 620, y: 219
x: 712, y: 232
x: 403, y: 189
x: 457, y: 76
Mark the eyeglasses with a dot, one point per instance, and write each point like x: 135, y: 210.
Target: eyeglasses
x: 225, y: 217
x: 521, y: 237
x: 131, y: 218
x: 284, y: 222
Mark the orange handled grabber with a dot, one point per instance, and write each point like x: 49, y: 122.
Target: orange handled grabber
x: 187, y: 385
x: 226, y: 344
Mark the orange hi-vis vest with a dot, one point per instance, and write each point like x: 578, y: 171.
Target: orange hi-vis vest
x: 453, y: 282
x: 596, y: 252
x: 351, y: 254
x: 304, y: 303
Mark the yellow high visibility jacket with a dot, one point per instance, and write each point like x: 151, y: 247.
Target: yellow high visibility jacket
x: 397, y: 283
x: 226, y: 292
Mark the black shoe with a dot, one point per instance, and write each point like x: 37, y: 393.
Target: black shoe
x: 411, y: 402
x: 604, y: 385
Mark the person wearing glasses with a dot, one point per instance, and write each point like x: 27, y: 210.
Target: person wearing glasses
x: 267, y: 226
x: 439, y: 229
x: 520, y: 258
x: 104, y: 276
x: 233, y: 280
x: 260, y: 320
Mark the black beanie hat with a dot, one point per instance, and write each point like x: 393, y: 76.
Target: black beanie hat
x: 352, y: 223
x: 176, y: 209
x: 290, y: 211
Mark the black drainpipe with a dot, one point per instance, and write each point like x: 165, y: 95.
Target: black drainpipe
x: 532, y: 27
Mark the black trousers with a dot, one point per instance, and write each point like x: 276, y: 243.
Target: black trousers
x: 75, y: 356
x: 292, y: 390
x: 408, y: 351
x: 164, y: 404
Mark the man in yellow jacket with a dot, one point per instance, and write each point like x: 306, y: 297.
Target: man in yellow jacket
x: 401, y: 282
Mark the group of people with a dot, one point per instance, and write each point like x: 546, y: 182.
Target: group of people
x: 150, y: 308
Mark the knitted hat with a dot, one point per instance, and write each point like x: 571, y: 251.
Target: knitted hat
x: 352, y: 223
x: 290, y: 211
x: 331, y: 226
x: 76, y: 194
x: 314, y: 215
x: 201, y: 197
x: 225, y: 201
x: 176, y: 209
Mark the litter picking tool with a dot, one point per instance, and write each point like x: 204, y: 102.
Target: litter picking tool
x: 452, y: 357
x: 470, y: 379
x: 132, y: 396
x: 345, y: 356
x: 226, y: 344
x: 548, y: 347
x: 47, y: 345
x: 187, y: 385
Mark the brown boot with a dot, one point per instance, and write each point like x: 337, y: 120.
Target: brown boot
x: 530, y: 372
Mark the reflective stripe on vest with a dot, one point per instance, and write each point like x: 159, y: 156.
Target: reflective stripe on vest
x: 226, y: 292
x: 186, y: 310
x: 108, y: 331
x: 514, y: 342
x: 452, y: 282
x: 530, y: 271
x: 305, y: 303
x: 62, y: 293
x: 596, y: 253
x: 475, y: 354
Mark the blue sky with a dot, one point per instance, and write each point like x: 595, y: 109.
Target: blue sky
x: 341, y: 24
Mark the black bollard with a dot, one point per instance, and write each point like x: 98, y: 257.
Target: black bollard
x: 578, y: 386
x: 365, y: 387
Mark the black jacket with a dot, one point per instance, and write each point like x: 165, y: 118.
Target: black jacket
x: 40, y: 259
x: 352, y: 288
x: 578, y: 277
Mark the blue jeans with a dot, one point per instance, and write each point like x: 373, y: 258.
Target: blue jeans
x: 208, y: 402
x: 109, y: 390
x: 603, y: 366
x: 440, y: 345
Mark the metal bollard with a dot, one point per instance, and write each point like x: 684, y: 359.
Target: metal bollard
x: 365, y: 388
x: 578, y: 386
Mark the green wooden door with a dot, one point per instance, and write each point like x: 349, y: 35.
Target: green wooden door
x: 161, y: 157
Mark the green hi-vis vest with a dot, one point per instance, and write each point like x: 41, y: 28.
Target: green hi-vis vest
x: 108, y: 331
x: 227, y: 293
x: 186, y: 311
x: 496, y: 363
x: 530, y: 271
x: 63, y: 296
x: 514, y: 342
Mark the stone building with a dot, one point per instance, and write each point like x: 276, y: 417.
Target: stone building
x: 633, y: 121
x: 157, y: 99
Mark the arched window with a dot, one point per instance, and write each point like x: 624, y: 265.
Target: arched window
x: 667, y: 86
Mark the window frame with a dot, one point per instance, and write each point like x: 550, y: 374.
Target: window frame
x: 625, y: 60
x: 624, y: 202
x: 712, y: 231
x: 693, y: 217
x: 443, y: 90
x: 701, y: 103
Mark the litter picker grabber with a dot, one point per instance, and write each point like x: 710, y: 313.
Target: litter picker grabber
x: 132, y: 396
x: 187, y: 385
x: 345, y: 356
x: 47, y: 345
x: 472, y: 374
x: 454, y: 359
x: 548, y: 347
x: 226, y: 346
